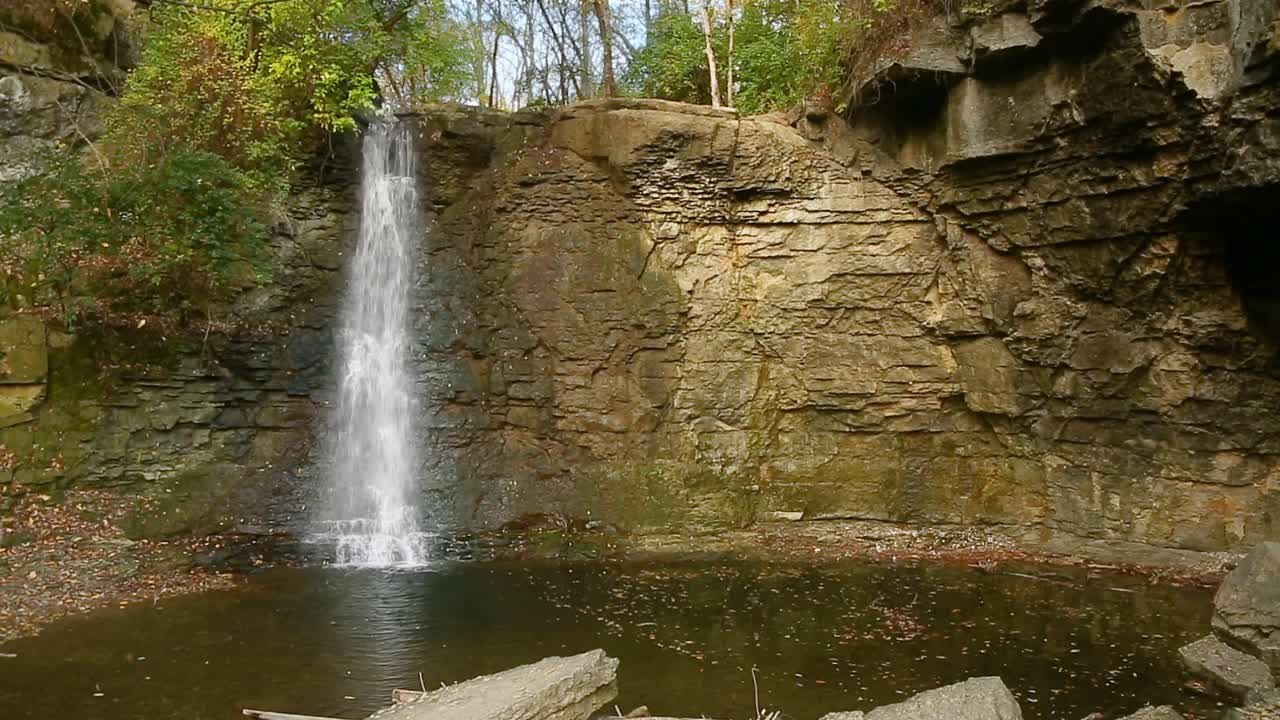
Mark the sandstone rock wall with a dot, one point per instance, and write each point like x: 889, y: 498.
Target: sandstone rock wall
x: 1030, y: 283
x: 57, y: 75
x: 207, y: 431
x: 214, y: 431
x: 1027, y: 290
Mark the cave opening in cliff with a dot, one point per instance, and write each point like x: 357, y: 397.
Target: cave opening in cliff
x: 1245, y: 225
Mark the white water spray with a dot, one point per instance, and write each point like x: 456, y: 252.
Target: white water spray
x: 374, y: 463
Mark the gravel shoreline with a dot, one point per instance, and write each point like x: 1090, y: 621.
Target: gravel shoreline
x: 69, y: 556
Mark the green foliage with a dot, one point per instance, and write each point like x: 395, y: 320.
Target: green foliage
x: 784, y: 50
x: 260, y: 83
x: 229, y: 96
x: 256, y: 82
x: 433, y: 54
x: 197, y: 89
x: 673, y: 65
x: 166, y: 238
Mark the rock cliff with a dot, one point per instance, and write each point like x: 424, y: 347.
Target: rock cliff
x: 1026, y: 282
x: 206, y: 429
x: 1029, y: 288
x: 57, y: 75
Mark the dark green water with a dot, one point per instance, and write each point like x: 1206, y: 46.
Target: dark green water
x: 824, y: 638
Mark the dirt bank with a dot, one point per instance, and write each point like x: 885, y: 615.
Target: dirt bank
x: 68, y: 555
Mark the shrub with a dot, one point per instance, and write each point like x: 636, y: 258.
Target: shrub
x: 784, y: 50
x: 91, y: 241
x: 673, y: 64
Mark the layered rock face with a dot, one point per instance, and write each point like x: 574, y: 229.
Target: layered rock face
x: 1029, y: 284
x: 56, y: 77
x: 214, y: 430
x: 210, y: 429
x: 1029, y: 289
x: 199, y: 423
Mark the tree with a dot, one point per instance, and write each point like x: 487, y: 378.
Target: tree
x: 166, y: 214
x: 712, y: 73
x: 606, y: 44
x: 769, y: 54
x: 171, y: 237
x: 728, y: 86
x: 673, y: 65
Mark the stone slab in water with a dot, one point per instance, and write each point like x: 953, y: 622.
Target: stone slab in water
x: 1228, y: 671
x: 554, y: 688
x: 984, y: 698
x: 1247, y: 606
x: 1265, y: 706
x: 1164, y: 712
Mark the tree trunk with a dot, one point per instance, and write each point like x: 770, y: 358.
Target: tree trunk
x: 606, y: 46
x: 493, y: 62
x: 711, y: 54
x: 528, y: 58
x: 564, y: 68
x: 584, y: 56
x: 479, y: 59
x: 728, y: 85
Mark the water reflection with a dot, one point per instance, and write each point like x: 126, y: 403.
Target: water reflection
x: 335, y: 642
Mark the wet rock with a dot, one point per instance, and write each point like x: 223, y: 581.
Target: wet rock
x: 193, y: 502
x: 1227, y: 670
x: 555, y: 688
x: 24, y: 366
x: 216, y: 557
x: 1162, y: 712
x: 1265, y: 706
x: 1247, y: 605
x: 984, y: 698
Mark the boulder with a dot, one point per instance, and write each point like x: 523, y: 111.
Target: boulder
x: 1228, y: 671
x: 984, y: 698
x: 1246, y: 610
x: 1265, y: 706
x: 554, y: 688
x: 1163, y: 712
x: 849, y: 715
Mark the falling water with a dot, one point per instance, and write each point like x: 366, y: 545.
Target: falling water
x: 373, y: 462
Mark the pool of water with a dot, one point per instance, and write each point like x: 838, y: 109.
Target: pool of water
x: 822, y: 638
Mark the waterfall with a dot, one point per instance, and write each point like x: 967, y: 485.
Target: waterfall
x: 373, y: 468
